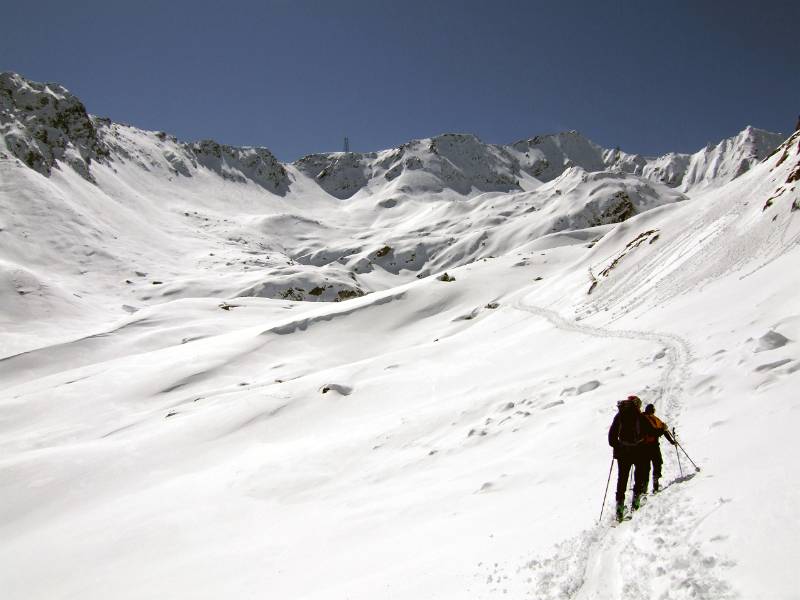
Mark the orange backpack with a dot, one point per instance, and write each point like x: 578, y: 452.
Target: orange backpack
x: 657, y: 426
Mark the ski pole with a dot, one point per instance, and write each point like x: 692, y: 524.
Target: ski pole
x: 678, y: 445
x: 696, y: 468
x: 611, y: 468
x: 677, y: 454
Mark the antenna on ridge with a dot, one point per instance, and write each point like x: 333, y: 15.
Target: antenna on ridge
x: 346, y: 144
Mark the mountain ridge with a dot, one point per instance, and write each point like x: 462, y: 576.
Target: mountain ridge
x: 43, y: 123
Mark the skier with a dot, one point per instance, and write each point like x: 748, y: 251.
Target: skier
x: 626, y: 435
x: 652, y: 449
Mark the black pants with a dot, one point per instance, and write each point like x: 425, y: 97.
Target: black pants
x: 653, y: 452
x: 637, y: 459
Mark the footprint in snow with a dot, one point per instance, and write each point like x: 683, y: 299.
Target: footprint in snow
x: 588, y: 386
x: 673, y: 564
x: 552, y: 404
x: 581, y: 389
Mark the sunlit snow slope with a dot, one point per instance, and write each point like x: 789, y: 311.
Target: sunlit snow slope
x: 179, y: 420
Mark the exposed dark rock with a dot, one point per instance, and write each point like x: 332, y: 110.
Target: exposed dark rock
x: 43, y: 123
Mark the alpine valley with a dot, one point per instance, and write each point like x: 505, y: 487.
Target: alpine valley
x: 389, y: 375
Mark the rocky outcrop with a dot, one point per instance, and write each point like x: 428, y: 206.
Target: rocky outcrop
x: 341, y: 174
x: 241, y: 164
x: 43, y: 123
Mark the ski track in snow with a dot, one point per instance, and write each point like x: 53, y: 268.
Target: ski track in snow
x: 653, y: 555
x: 677, y: 353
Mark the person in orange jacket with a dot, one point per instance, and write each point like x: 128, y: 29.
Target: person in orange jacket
x: 650, y: 446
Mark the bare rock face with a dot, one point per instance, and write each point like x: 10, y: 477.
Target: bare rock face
x: 42, y: 123
x: 341, y: 174
x: 463, y: 163
x: 240, y: 164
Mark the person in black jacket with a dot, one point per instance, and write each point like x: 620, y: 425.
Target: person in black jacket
x: 626, y: 436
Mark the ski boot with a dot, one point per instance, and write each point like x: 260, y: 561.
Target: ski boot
x: 637, y: 502
x: 655, y: 486
x: 620, y: 512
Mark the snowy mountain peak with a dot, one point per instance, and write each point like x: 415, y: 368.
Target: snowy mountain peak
x: 545, y: 157
x: 714, y: 165
x: 42, y: 123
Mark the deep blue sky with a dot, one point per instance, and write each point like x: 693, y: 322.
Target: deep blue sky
x: 296, y: 76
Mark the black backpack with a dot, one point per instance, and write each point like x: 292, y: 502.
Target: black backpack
x: 629, y: 423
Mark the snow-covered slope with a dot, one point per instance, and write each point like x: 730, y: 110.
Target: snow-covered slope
x: 714, y: 165
x: 150, y: 218
x: 175, y: 417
